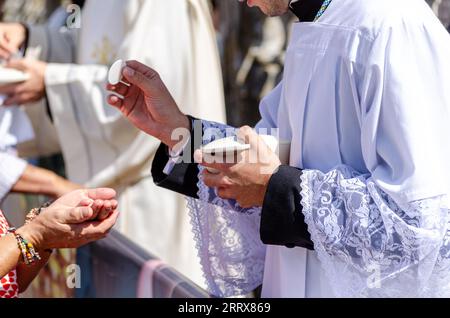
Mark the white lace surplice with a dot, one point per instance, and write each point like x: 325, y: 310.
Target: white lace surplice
x: 373, y: 140
x: 227, y: 236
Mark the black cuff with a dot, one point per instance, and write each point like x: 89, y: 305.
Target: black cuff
x: 282, y: 219
x: 183, y: 178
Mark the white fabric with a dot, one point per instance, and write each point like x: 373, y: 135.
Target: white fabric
x: 11, y: 169
x: 370, y: 246
x: 231, y: 253
x: 364, y: 101
x: 99, y: 146
x: 15, y: 127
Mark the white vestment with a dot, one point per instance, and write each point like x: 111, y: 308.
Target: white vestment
x: 365, y: 102
x: 99, y: 146
x: 15, y: 128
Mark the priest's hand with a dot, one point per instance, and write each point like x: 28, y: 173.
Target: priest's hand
x: 147, y: 103
x: 12, y: 37
x: 246, y: 180
x: 29, y: 91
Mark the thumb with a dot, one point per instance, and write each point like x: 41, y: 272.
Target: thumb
x: 101, y: 194
x: 248, y: 135
x: 78, y: 215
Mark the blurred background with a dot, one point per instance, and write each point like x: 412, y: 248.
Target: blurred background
x: 251, y: 48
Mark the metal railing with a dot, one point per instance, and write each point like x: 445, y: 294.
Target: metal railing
x: 117, y: 268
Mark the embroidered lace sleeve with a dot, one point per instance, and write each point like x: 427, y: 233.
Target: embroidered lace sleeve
x: 364, y: 237
x: 227, y: 236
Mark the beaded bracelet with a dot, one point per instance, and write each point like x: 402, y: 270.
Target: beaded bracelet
x: 29, y: 254
x: 34, y: 213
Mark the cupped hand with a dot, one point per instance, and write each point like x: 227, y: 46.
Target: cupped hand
x: 245, y: 179
x: 147, y: 103
x: 29, y: 91
x: 73, y: 220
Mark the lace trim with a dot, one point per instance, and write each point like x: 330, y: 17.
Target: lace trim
x: 371, y: 247
x: 227, y: 237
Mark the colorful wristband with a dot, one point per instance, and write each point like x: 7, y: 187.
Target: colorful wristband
x: 29, y: 254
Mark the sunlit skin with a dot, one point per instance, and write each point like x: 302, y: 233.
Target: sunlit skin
x: 75, y: 219
x: 149, y: 106
x: 148, y: 103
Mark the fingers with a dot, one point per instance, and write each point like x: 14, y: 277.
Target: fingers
x: 141, y: 68
x: 99, y: 229
x: 19, y: 99
x: 143, y: 77
x: 18, y: 64
x: 261, y: 152
x: 98, y: 210
x: 87, y: 202
x: 107, y: 224
x: 97, y: 206
x: 248, y: 135
x: 12, y: 89
x: 115, y: 101
x: 101, y: 194
x: 217, y: 163
x: 216, y: 180
x: 6, y: 48
x: 76, y: 215
x: 9, y: 48
x: 222, y: 183
x: 4, y: 52
x: 108, y: 207
x: 120, y: 89
x: 226, y: 193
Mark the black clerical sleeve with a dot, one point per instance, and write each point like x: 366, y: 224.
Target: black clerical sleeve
x: 182, y: 179
x: 282, y: 219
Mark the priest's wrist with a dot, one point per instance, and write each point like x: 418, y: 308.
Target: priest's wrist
x: 265, y: 181
x: 178, y: 132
